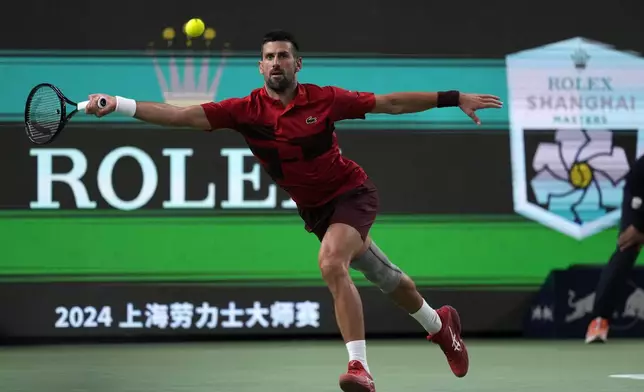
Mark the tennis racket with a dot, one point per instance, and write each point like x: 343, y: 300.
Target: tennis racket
x: 46, y: 112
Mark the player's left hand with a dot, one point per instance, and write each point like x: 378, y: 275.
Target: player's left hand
x: 630, y: 237
x: 470, y: 103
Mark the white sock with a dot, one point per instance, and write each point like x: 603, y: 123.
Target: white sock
x: 428, y: 318
x: 358, y: 351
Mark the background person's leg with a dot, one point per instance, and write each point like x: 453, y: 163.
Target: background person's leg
x: 612, y: 280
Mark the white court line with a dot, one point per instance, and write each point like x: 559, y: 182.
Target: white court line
x: 629, y: 376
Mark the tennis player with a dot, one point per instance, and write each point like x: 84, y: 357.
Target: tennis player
x: 289, y: 127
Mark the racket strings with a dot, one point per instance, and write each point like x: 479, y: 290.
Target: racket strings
x: 44, y: 114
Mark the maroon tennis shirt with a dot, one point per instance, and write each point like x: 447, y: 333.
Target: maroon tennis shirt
x: 296, y: 144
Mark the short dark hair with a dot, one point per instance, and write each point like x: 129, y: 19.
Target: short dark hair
x: 280, y: 35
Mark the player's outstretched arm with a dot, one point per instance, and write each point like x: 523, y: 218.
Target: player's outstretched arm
x: 151, y: 112
x: 413, y: 102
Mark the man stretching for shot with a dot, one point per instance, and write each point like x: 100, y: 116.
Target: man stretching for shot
x: 289, y: 127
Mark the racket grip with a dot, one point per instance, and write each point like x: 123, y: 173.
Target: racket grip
x: 102, y: 102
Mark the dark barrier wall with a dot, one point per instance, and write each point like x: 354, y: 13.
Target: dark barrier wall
x: 464, y: 28
x: 125, y: 310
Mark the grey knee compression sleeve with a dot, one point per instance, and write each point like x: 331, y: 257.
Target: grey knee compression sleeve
x: 377, y: 268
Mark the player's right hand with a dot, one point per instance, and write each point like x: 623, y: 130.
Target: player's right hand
x: 92, y: 106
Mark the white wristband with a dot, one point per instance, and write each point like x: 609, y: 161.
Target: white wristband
x: 125, y: 106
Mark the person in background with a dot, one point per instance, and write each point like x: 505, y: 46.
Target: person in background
x: 629, y: 243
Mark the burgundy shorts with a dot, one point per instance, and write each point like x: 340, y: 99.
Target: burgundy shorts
x: 357, y: 208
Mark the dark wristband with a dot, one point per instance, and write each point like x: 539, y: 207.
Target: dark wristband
x: 448, y: 98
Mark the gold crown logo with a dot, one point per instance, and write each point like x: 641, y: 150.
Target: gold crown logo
x: 188, y: 75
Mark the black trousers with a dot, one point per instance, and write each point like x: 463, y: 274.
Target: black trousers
x: 615, y: 274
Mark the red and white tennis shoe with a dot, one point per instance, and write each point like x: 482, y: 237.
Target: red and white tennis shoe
x: 357, y: 379
x: 449, y: 340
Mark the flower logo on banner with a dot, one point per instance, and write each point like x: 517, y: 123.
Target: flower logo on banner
x: 580, y: 94
x: 580, y: 176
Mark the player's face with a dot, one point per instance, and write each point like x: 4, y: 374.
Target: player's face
x: 279, y: 65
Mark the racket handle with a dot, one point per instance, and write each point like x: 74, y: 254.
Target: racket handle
x: 102, y: 102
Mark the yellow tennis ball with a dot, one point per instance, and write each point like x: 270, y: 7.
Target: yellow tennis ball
x: 581, y: 175
x: 195, y: 27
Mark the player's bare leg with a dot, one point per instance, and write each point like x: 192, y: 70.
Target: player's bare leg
x: 443, y: 325
x: 339, y: 246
